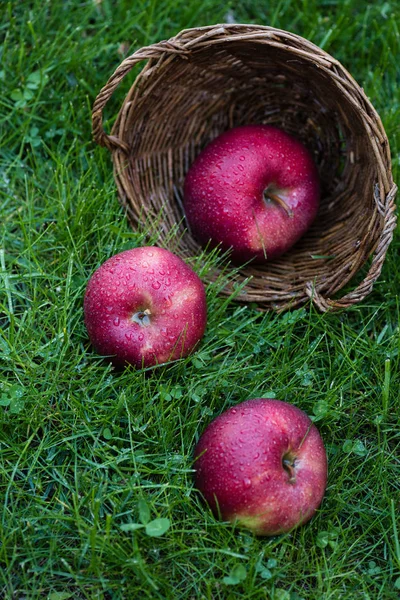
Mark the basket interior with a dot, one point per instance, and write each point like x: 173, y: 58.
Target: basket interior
x: 176, y: 106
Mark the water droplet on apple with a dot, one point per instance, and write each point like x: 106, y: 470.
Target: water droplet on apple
x: 156, y: 285
x: 168, y: 301
x: 128, y: 336
x: 116, y: 321
x: 241, y: 167
x: 145, y: 264
x: 242, y: 158
x: 140, y: 337
x: 257, y: 455
x: 247, y: 482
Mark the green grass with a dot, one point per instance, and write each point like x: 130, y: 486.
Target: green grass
x: 85, y: 450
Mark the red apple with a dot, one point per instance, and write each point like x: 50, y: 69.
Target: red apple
x: 263, y: 465
x: 253, y: 190
x: 145, y: 307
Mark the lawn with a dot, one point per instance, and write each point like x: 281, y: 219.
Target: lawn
x: 86, y: 450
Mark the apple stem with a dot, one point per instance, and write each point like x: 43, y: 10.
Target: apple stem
x: 288, y: 465
x: 281, y: 202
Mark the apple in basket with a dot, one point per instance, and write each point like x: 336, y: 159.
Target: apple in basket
x: 262, y: 465
x: 144, y: 307
x: 254, y: 190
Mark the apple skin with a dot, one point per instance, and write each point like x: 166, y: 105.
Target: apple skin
x: 144, y: 307
x: 226, y: 187
x: 240, y: 471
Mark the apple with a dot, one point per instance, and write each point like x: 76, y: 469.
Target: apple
x: 144, y: 307
x: 254, y: 190
x: 262, y: 464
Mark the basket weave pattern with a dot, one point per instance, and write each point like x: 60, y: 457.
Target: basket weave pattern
x: 206, y: 80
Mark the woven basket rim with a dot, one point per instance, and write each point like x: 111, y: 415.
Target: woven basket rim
x: 188, y: 41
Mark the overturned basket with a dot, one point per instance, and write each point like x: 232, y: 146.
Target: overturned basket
x: 208, y: 79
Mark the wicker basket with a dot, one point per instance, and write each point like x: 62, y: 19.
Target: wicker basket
x: 208, y: 79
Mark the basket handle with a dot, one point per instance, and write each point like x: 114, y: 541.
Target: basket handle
x: 365, y: 287
x: 149, y: 53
